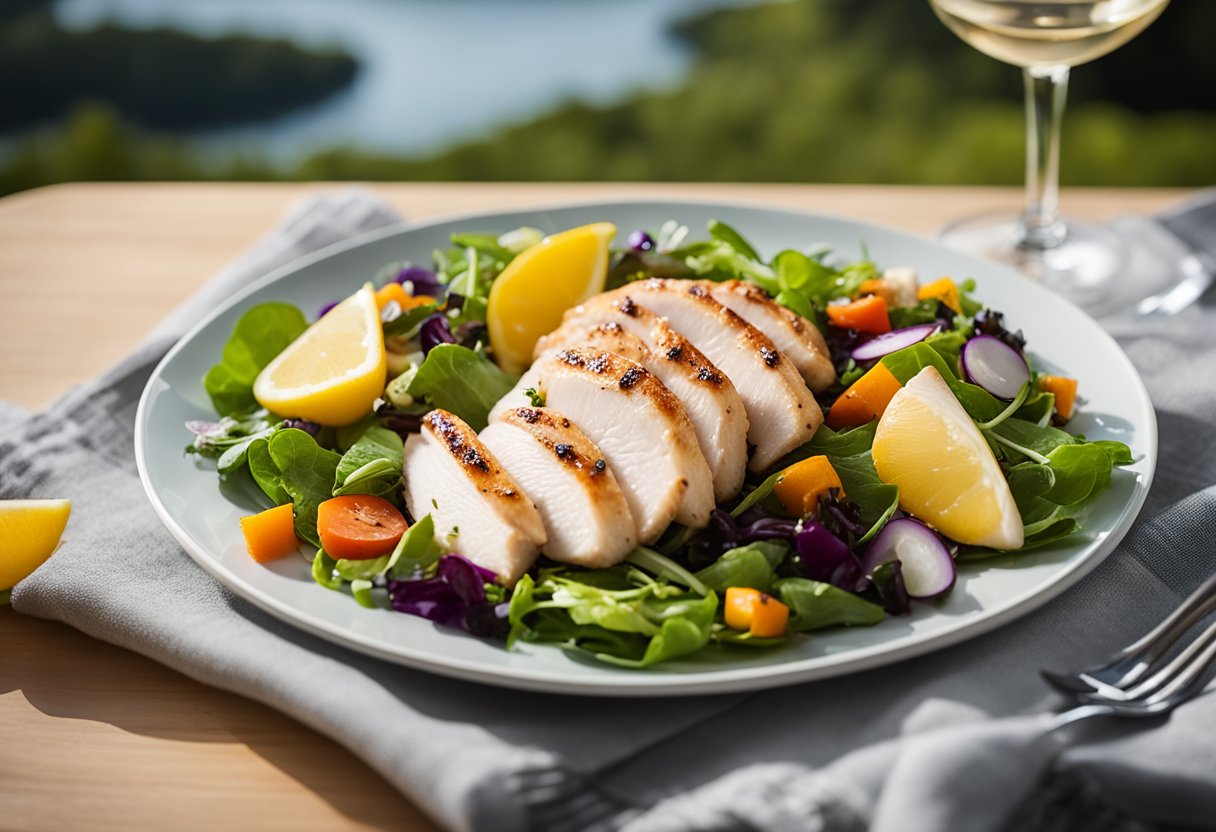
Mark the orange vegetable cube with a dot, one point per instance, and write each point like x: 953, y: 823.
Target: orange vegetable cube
x: 865, y: 399
x: 868, y: 314
x: 1065, y: 391
x: 740, y: 601
x: 802, y: 484
x: 395, y: 291
x: 769, y: 617
x: 943, y: 290
x: 271, y: 534
x: 879, y: 288
x: 756, y: 612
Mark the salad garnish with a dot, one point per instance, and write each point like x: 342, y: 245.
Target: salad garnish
x: 941, y: 441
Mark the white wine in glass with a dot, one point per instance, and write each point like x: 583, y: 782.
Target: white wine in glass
x: 1046, y: 38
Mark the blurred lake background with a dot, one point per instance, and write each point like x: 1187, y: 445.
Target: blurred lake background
x: 677, y: 90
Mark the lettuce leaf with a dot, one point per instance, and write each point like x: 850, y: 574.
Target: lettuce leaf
x: 461, y: 381
x: 261, y: 334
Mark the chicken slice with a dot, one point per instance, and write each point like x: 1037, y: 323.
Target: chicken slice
x: 710, y: 399
x: 562, y: 471
x: 478, y: 509
x: 781, y: 412
x: 798, y: 339
x: 638, y: 424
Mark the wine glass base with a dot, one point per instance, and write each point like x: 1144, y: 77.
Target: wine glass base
x: 1085, y: 267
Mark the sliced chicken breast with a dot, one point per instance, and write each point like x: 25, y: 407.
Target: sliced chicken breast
x: 478, y: 509
x: 781, y: 412
x: 641, y: 428
x: 798, y: 339
x: 710, y: 399
x: 585, y: 513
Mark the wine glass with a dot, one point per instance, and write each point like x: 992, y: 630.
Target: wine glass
x: 1046, y: 38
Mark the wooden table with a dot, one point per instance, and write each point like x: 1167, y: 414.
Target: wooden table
x: 94, y: 735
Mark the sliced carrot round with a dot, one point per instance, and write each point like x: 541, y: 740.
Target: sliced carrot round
x: 359, y: 526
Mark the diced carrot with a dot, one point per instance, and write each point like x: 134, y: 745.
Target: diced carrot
x: 802, y: 484
x: 879, y: 288
x: 1065, y: 391
x: 395, y: 291
x: 943, y: 290
x: 769, y: 617
x: 868, y: 314
x: 271, y: 534
x: 359, y: 526
x: 740, y: 601
x: 865, y: 399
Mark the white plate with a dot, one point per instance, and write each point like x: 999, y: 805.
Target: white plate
x: 204, y: 518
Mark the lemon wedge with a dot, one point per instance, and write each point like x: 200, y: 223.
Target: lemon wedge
x: 29, y: 534
x: 536, y: 288
x: 334, y: 371
x: 927, y: 445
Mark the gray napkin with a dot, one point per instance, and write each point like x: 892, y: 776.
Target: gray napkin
x: 953, y: 740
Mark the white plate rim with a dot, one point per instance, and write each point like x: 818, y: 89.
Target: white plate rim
x: 615, y: 681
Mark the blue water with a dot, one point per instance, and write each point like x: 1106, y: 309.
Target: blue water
x: 433, y: 72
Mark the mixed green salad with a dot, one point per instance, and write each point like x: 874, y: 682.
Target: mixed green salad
x: 669, y: 600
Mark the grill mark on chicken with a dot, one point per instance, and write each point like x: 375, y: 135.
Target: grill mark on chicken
x: 546, y: 427
x: 572, y: 358
x: 771, y: 356
x: 675, y: 353
x: 631, y: 377
x: 465, y: 447
x: 628, y: 307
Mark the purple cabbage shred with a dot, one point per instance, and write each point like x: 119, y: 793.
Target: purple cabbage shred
x: 639, y: 240
x: 311, y: 428
x: 455, y: 597
x: 822, y: 556
x: 422, y: 280
x: 435, y: 331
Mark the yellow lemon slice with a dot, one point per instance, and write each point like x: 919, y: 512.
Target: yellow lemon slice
x: 29, y: 534
x: 333, y: 372
x: 533, y: 292
x: 947, y: 476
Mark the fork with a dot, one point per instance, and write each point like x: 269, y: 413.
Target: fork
x: 1140, y: 681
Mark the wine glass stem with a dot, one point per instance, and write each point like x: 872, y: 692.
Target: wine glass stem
x: 1046, y: 90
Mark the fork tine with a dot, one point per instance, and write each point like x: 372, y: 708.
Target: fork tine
x: 1162, y: 676
x: 1131, y: 663
x: 1189, y: 681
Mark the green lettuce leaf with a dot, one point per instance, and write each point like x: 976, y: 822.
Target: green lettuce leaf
x: 306, y: 473
x: 462, y: 381
x: 261, y: 334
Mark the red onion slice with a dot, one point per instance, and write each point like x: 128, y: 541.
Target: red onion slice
x: 928, y: 568
x: 893, y: 341
x: 995, y: 366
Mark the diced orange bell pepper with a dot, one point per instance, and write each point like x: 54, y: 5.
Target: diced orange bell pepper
x: 879, y: 288
x: 271, y: 534
x: 868, y: 314
x: 1065, y: 391
x: 865, y: 399
x: 802, y: 484
x: 769, y: 617
x: 395, y: 291
x: 944, y: 290
x: 756, y: 612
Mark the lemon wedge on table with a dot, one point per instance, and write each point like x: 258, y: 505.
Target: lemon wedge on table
x: 29, y: 534
x: 947, y: 476
x: 334, y: 371
x: 536, y: 288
